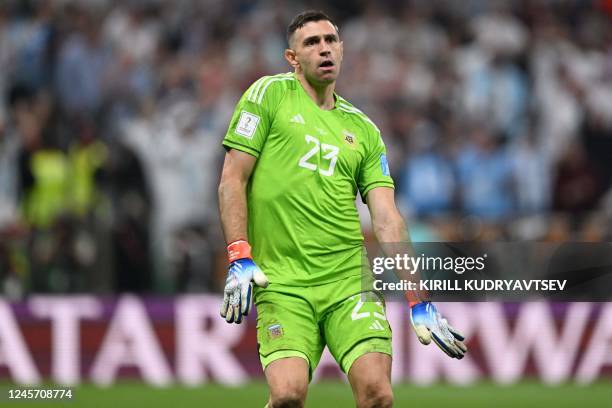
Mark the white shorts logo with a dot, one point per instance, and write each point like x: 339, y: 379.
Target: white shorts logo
x: 247, y: 124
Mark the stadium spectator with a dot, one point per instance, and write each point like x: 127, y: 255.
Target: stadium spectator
x: 427, y: 179
x: 486, y: 186
x: 448, y: 65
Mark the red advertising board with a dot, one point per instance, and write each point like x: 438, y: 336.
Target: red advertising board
x: 71, y: 339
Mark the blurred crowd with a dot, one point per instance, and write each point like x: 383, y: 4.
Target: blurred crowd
x: 497, y: 116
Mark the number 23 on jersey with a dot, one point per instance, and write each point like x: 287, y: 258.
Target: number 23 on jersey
x: 330, y: 155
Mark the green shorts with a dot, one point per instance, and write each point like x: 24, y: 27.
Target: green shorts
x: 299, y: 321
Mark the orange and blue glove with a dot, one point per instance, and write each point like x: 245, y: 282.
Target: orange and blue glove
x: 242, y: 273
x: 429, y: 325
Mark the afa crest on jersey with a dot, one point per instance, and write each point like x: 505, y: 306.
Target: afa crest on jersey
x: 275, y: 331
x: 350, y: 139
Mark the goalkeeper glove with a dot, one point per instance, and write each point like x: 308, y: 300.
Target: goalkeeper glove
x: 237, y: 295
x: 430, y: 325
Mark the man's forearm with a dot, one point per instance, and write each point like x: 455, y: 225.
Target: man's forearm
x: 394, y: 239
x: 233, y: 209
x: 392, y: 230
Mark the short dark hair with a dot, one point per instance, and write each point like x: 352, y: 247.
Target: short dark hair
x: 304, y: 17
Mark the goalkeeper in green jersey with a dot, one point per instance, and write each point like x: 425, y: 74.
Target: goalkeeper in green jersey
x: 297, y: 154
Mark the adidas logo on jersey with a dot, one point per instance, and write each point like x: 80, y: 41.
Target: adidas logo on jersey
x: 376, y: 326
x: 298, y: 119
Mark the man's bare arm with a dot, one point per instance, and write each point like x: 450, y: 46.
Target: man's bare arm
x: 237, y: 169
x: 237, y: 295
x: 387, y: 222
x: 392, y: 234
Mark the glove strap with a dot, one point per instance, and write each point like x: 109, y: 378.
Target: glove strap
x: 412, y: 298
x: 239, y: 249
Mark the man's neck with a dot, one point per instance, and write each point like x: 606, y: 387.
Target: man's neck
x: 323, y: 96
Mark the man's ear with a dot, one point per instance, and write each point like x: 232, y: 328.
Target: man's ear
x: 291, y: 58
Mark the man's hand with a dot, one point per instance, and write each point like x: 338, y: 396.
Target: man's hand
x: 391, y: 232
x: 237, y: 295
x: 430, y: 325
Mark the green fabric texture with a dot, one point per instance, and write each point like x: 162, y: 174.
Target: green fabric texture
x: 302, y: 222
x: 292, y: 321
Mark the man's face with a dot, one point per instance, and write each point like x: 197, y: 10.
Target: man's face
x: 316, y: 52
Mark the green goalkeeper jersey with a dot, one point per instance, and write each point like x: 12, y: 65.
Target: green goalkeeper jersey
x: 303, y: 225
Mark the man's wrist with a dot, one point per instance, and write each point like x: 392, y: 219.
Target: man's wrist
x: 238, y: 249
x: 414, y: 298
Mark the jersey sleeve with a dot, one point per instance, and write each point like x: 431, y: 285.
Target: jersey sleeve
x: 374, y: 171
x: 252, y: 118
